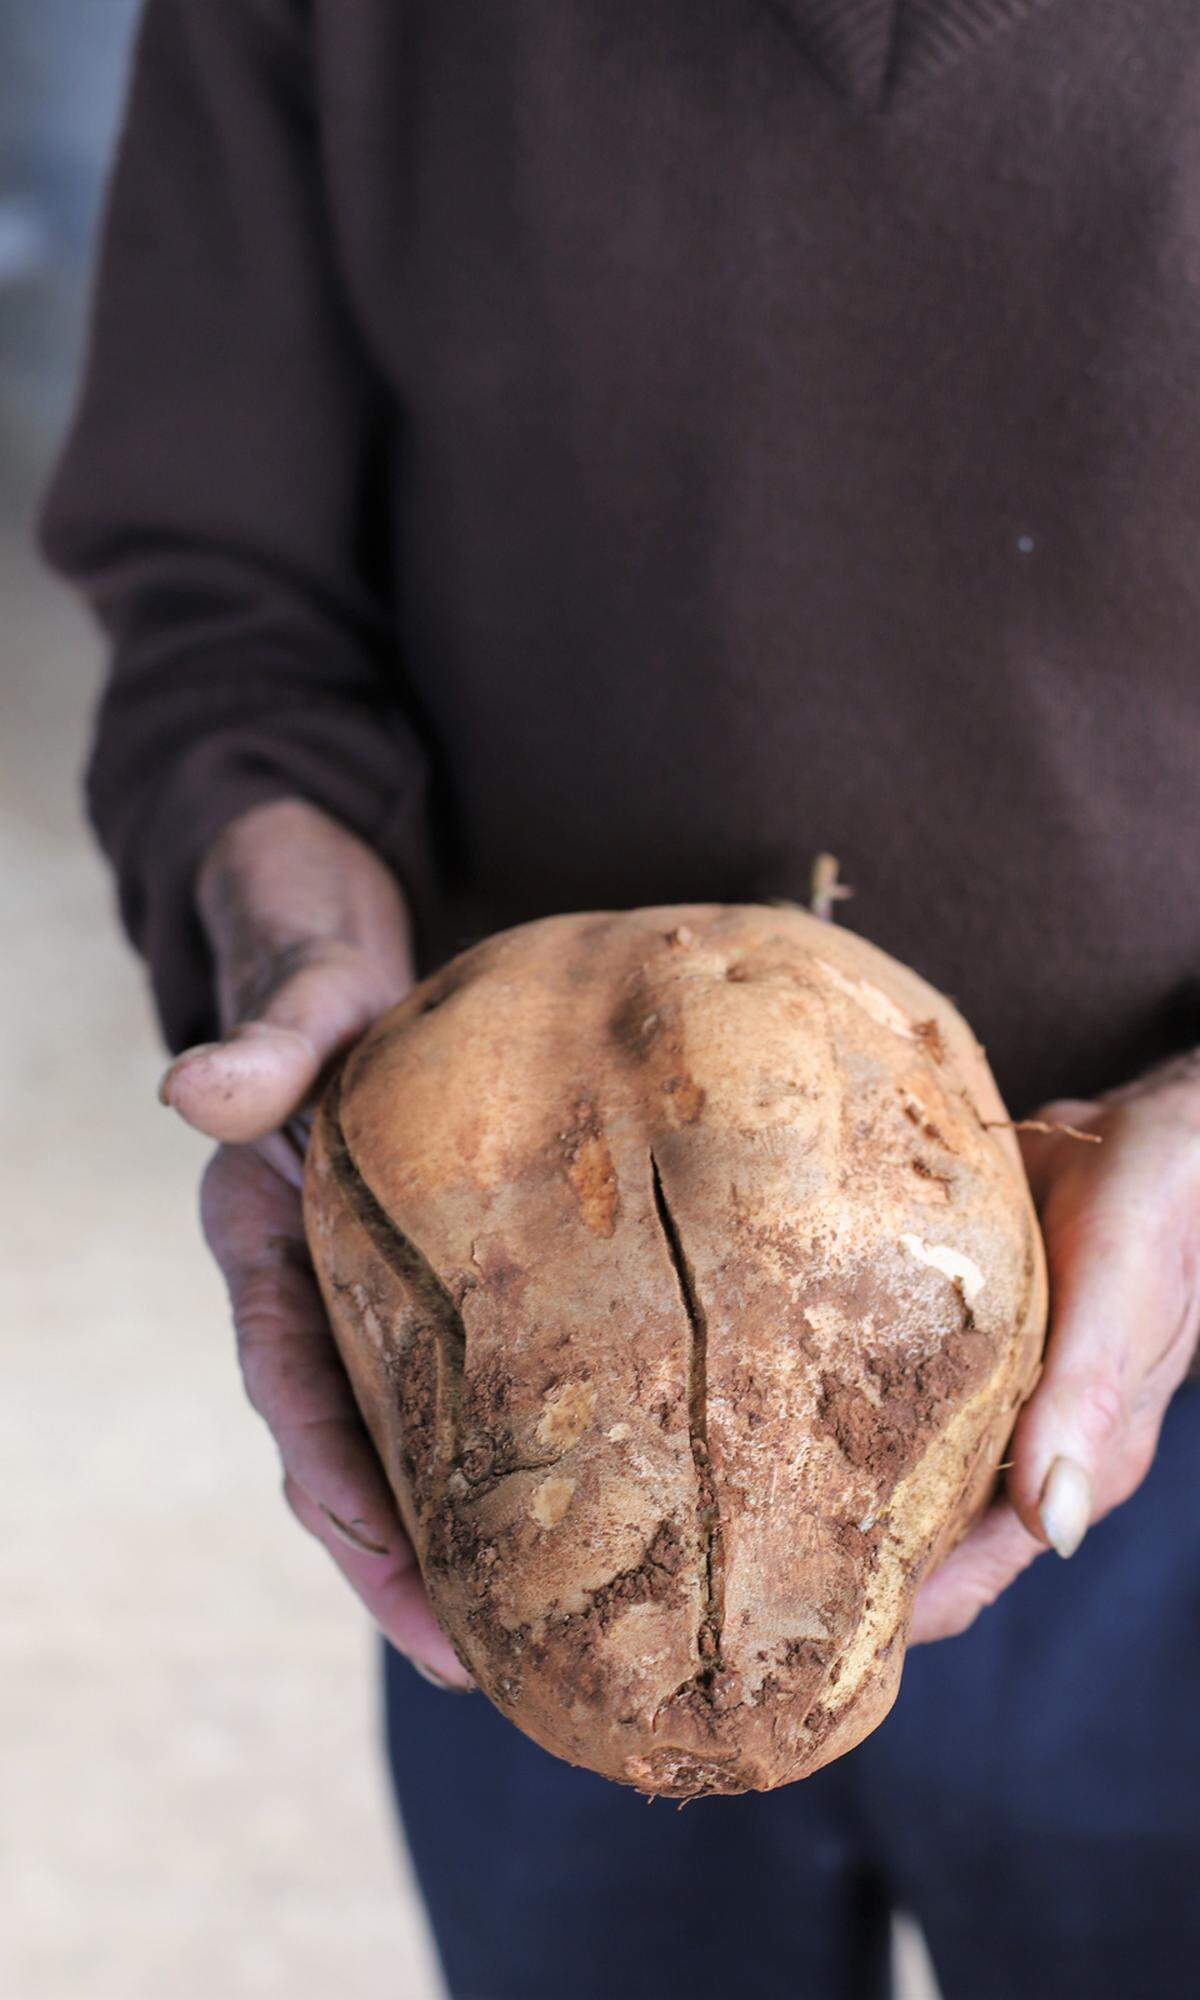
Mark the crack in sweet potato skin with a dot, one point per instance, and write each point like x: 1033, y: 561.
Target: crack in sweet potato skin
x: 412, y: 1271
x: 708, y: 1514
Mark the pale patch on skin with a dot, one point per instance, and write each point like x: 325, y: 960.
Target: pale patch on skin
x: 683, y: 1101
x: 566, y: 1414
x: 871, y: 999
x: 551, y: 1500
x: 951, y: 1263
x: 617, y: 1434
x: 931, y: 1194
x: 808, y: 1624
x: 367, y: 1313
x: 593, y: 1178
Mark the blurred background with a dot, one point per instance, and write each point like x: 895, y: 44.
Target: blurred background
x: 194, y: 1804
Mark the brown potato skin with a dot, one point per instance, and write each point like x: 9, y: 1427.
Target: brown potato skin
x: 689, y: 1285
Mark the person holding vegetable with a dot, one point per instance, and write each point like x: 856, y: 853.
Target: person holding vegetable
x: 566, y: 455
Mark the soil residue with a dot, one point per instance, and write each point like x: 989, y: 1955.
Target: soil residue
x: 590, y: 1171
x: 886, y: 1433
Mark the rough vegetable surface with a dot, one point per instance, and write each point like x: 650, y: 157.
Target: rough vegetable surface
x: 689, y: 1295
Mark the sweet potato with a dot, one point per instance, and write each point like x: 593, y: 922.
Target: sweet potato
x: 689, y: 1286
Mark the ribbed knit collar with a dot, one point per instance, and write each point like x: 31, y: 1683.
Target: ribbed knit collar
x: 867, y: 48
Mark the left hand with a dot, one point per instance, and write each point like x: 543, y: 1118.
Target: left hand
x: 310, y: 941
x: 1121, y: 1222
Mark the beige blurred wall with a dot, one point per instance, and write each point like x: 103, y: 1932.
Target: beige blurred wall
x: 192, y: 1805
x: 192, y: 1800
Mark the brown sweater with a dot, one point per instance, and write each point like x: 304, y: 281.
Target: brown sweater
x: 606, y: 450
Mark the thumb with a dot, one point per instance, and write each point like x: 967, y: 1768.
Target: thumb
x: 310, y: 938
x: 252, y: 1082
x: 1074, y: 1448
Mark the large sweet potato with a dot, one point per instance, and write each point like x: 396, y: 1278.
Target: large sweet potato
x: 689, y: 1290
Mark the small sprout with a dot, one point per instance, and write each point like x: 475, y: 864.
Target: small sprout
x: 826, y: 889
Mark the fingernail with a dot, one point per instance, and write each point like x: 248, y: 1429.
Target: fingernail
x: 165, y: 1081
x: 351, y: 1534
x: 435, y: 1680
x: 1066, y: 1505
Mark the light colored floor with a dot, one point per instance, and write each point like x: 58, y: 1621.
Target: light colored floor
x: 193, y: 1804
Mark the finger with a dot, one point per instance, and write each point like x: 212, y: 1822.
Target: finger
x: 1085, y: 1439
x: 290, y: 1365
x: 310, y: 939
x: 390, y: 1587
x: 253, y: 1081
x: 973, y: 1575
x: 295, y: 1379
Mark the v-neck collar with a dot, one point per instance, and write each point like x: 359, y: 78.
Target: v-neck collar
x: 866, y: 48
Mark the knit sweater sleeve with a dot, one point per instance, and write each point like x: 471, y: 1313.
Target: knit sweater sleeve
x: 220, y: 497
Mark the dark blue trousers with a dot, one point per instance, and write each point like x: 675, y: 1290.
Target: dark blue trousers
x: 1034, y: 1800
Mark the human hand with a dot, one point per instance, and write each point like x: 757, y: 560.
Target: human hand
x: 1121, y: 1221
x: 310, y: 941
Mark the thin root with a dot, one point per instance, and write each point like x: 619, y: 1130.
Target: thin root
x: 826, y: 889
x: 1042, y: 1125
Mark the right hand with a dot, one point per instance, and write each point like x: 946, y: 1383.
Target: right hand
x: 310, y: 940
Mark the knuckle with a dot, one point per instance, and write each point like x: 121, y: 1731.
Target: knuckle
x: 256, y: 1303
x: 262, y: 974
x: 986, y: 1587
x: 332, y: 1427
x: 1102, y: 1408
x: 258, y: 1331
